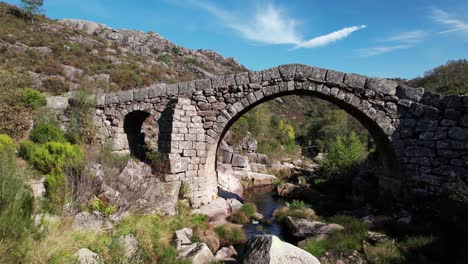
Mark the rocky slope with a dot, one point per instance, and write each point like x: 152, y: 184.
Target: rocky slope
x: 60, y: 56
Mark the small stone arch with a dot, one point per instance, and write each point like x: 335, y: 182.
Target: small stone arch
x: 137, y: 135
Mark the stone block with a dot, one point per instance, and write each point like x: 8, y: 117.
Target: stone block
x: 239, y: 161
x: 384, y: 86
x: 406, y: 92
x: 157, y: 90
x: 178, y: 164
x: 335, y: 77
x: 355, y: 80
x: 287, y: 72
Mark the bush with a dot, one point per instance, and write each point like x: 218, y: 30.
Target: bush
x: 297, y: 204
x: 104, y: 207
x: 25, y: 149
x: 249, y: 209
x: 314, y: 246
x: 16, y: 205
x: 56, y: 186
x: 230, y: 234
x: 199, y: 220
x: 33, y: 98
x: 46, y: 132
x: 53, y: 155
x: 351, y: 237
x: 81, y: 128
x: 343, y: 157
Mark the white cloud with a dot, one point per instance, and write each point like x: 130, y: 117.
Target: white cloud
x: 400, y: 41
x: 272, y: 25
x: 374, y: 51
x: 329, y: 38
x: 454, y: 24
x: 408, y: 37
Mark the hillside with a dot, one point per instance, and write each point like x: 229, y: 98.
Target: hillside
x: 450, y: 78
x: 55, y: 57
x: 64, y: 55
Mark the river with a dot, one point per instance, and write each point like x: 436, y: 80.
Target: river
x: 266, y: 203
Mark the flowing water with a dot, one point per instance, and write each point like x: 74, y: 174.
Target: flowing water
x: 266, y: 203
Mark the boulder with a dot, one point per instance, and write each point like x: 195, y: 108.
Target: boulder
x: 217, y: 210
x: 197, y: 253
x: 261, y: 179
x: 269, y: 249
x: 93, y: 221
x: 239, y: 161
x: 343, y: 257
x: 38, y: 188
x: 376, y: 237
x: 183, y: 238
x: 256, y: 179
x: 249, y: 144
x: 211, y: 239
x: 228, y: 182
x: 305, y: 228
x: 86, y: 256
x: 226, y: 254
x: 137, y: 189
x: 288, y: 190
x: 234, y: 205
x: 258, y: 167
x: 129, y: 244
x: 57, y: 102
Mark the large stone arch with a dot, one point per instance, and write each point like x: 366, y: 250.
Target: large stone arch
x: 383, y: 142
x: 377, y: 120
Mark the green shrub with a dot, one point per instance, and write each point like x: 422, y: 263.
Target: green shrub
x: 249, y: 209
x: 297, y: 204
x: 199, y: 220
x: 33, y: 98
x: 314, y: 246
x: 278, y: 182
x: 25, y: 149
x: 344, y: 155
x: 53, y: 155
x: 6, y: 143
x: 46, y: 132
x: 351, y: 237
x: 16, y: 205
x: 81, y: 127
x: 230, y: 234
x: 104, y: 207
x: 56, y: 186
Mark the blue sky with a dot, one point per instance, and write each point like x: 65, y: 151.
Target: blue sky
x: 376, y: 38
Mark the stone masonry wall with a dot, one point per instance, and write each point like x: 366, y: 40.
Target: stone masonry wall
x: 422, y: 137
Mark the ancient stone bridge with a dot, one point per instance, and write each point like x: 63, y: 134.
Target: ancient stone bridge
x: 422, y: 137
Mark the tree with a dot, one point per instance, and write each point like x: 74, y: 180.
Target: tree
x: 32, y: 7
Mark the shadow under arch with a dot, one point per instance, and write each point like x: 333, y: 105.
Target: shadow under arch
x: 133, y: 123
x: 389, y: 159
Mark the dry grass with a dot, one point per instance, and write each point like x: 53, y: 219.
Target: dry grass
x: 306, y: 213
